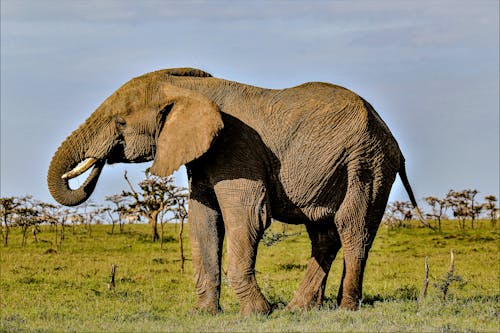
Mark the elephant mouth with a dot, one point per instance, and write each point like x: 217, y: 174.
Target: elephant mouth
x: 119, y: 155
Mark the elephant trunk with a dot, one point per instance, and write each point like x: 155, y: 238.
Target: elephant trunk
x: 65, y: 165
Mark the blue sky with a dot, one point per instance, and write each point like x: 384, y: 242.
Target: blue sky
x: 430, y: 68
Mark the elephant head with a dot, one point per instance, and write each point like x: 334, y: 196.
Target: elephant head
x: 148, y: 118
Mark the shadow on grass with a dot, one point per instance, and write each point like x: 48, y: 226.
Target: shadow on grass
x: 411, y: 293
x: 404, y: 293
x: 144, y: 237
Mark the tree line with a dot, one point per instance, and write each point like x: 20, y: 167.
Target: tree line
x: 464, y: 207
x: 157, y: 200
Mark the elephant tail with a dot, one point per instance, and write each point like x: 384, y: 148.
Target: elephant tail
x: 406, y: 184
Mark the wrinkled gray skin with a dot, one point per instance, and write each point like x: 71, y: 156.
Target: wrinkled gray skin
x: 316, y: 154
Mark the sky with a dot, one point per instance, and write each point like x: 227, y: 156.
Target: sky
x: 430, y: 69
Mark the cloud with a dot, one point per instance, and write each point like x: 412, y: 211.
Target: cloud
x: 230, y: 10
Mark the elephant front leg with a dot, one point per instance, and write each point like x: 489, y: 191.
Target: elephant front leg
x: 243, y: 206
x: 325, y: 244
x: 206, y: 237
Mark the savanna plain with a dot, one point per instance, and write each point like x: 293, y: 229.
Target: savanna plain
x: 64, y: 287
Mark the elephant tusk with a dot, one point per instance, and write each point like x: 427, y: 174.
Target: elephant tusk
x: 79, y: 169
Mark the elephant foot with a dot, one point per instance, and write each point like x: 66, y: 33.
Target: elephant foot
x: 208, y: 302
x: 208, y: 309
x: 350, y: 303
x: 254, y: 303
x: 310, y: 294
x: 258, y: 306
x: 301, y: 302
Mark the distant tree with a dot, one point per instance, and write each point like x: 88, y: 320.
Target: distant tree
x: 491, y: 207
x: 458, y: 204
x: 475, y: 212
x: 119, y: 203
x: 8, y: 208
x: 83, y: 212
x: 438, y: 209
x: 152, y: 198
x: 63, y: 215
x: 474, y: 209
x: 97, y: 215
x: 397, y: 212
x: 75, y: 218
x: 51, y: 214
x: 91, y: 213
x: 27, y: 215
x: 464, y: 206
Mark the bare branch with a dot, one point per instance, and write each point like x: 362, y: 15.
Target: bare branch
x: 129, y: 183
x: 425, y: 284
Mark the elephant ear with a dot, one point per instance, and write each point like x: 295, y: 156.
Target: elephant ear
x: 192, y: 124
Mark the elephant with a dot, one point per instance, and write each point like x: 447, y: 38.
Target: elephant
x: 316, y: 154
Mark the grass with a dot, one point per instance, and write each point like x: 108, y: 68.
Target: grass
x: 66, y: 289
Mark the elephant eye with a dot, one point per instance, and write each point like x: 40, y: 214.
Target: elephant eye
x: 120, y: 123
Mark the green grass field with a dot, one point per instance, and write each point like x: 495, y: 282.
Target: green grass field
x: 66, y: 289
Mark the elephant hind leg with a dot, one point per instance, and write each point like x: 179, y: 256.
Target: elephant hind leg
x: 357, y: 220
x: 325, y: 244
